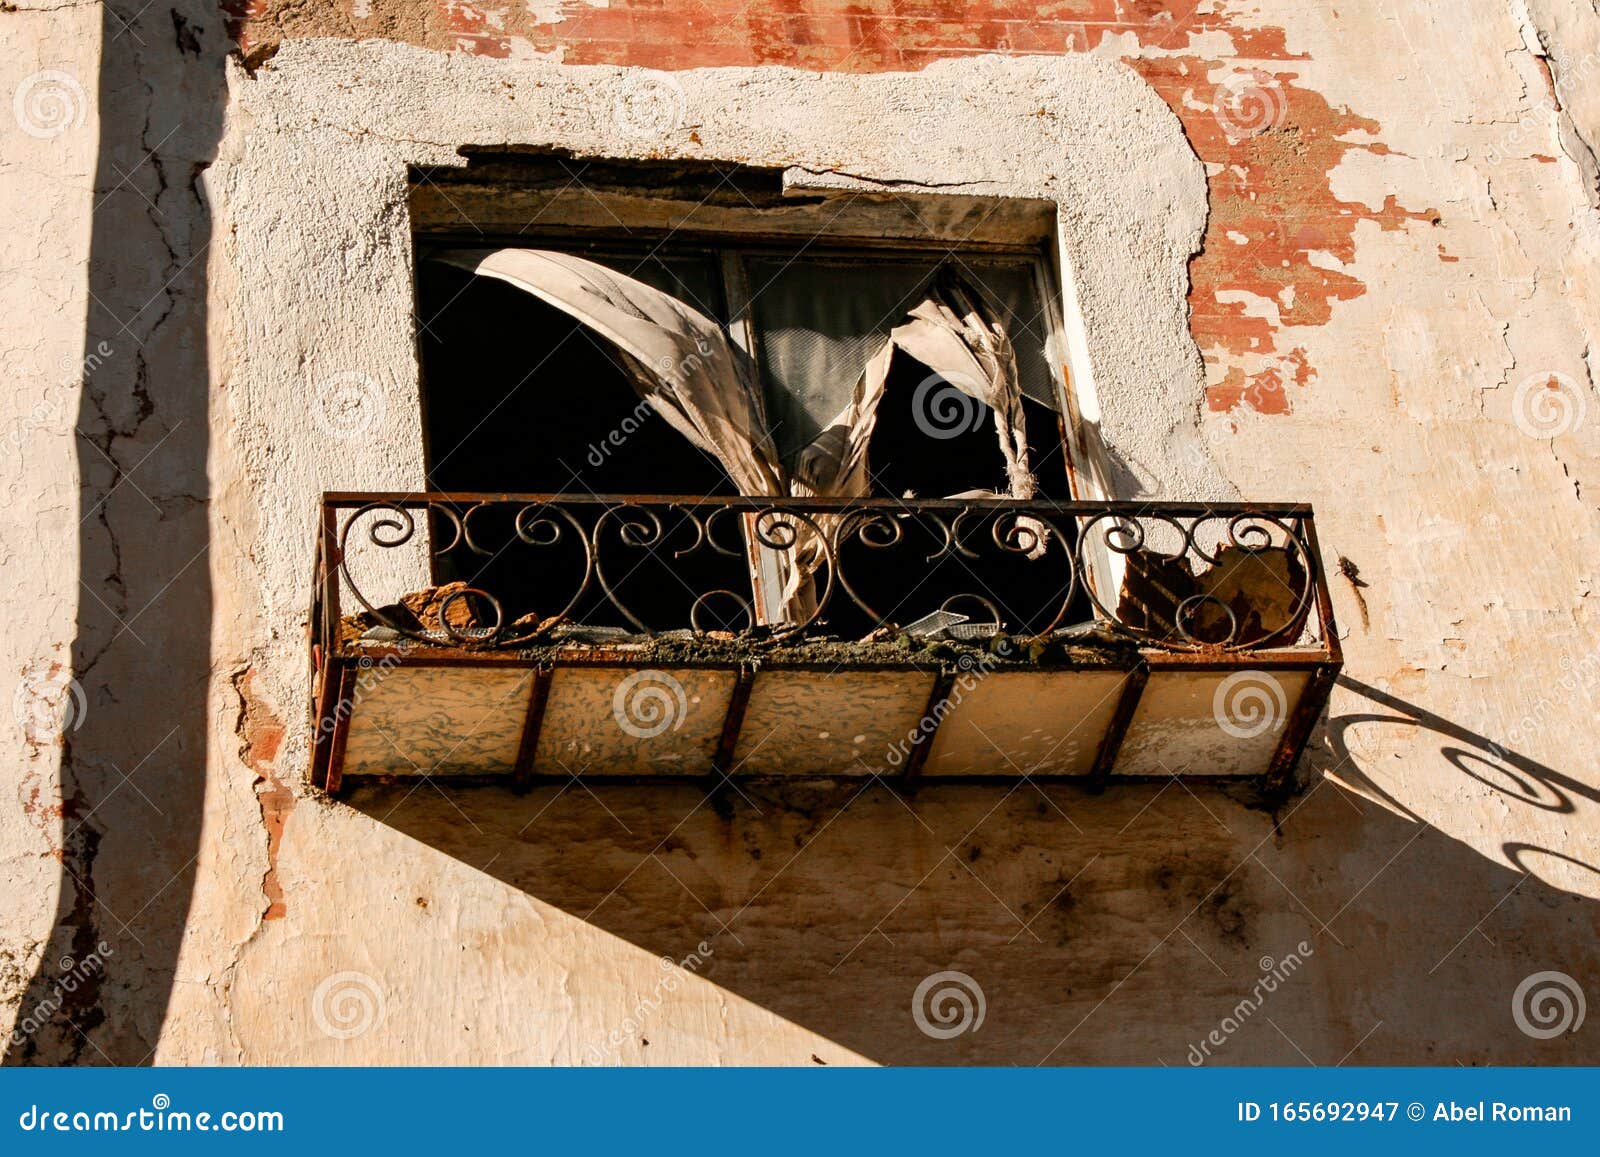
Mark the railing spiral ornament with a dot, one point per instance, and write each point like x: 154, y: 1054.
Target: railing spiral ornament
x: 701, y: 533
x: 536, y: 529
x: 458, y: 530
x: 1186, y: 618
x: 1035, y: 537
x: 708, y: 531
x: 698, y: 608
x: 1297, y: 549
x: 1120, y: 536
x: 637, y: 527
x: 957, y: 529
x: 1019, y: 533
x: 465, y: 522
x: 876, y: 529
x: 478, y: 635
x: 1193, y: 552
x: 387, y: 533
x: 806, y: 547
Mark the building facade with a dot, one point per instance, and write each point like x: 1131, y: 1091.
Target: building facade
x: 1287, y: 254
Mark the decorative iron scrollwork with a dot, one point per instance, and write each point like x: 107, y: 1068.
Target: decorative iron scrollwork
x: 1175, y: 576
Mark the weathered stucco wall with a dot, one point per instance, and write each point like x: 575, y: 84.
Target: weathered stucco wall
x: 47, y: 244
x: 1345, y: 258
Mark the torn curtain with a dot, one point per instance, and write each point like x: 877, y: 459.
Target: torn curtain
x: 955, y: 335
x: 683, y: 364
x: 680, y: 360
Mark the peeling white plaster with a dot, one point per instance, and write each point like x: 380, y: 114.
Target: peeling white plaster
x: 555, y: 13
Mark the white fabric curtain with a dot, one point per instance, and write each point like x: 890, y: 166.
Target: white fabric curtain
x: 954, y: 335
x: 689, y: 371
x: 681, y: 361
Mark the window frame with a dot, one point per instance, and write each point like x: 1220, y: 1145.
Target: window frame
x: 729, y: 253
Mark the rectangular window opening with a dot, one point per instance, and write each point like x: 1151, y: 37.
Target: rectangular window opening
x: 527, y: 388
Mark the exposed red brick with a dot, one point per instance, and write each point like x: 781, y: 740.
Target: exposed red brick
x: 261, y: 735
x: 1273, y: 190
x: 42, y: 811
x: 240, y: 17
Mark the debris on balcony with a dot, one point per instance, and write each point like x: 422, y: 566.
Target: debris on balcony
x: 1245, y: 595
x: 942, y: 637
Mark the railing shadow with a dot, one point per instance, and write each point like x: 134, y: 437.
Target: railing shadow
x: 1512, y: 774
x: 828, y: 904
x: 1082, y: 918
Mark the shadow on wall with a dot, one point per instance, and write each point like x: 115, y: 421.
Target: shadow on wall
x: 1516, y: 776
x: 133, y: 772
x: 1469, y: 752
x: 1118, y: 928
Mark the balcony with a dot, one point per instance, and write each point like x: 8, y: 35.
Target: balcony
x: 518, y: 638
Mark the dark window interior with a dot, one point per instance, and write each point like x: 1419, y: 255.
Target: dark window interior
x: 517, y: 397
x: 909, y: 463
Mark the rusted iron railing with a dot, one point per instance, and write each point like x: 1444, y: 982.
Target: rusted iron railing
x: 519, y: 570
